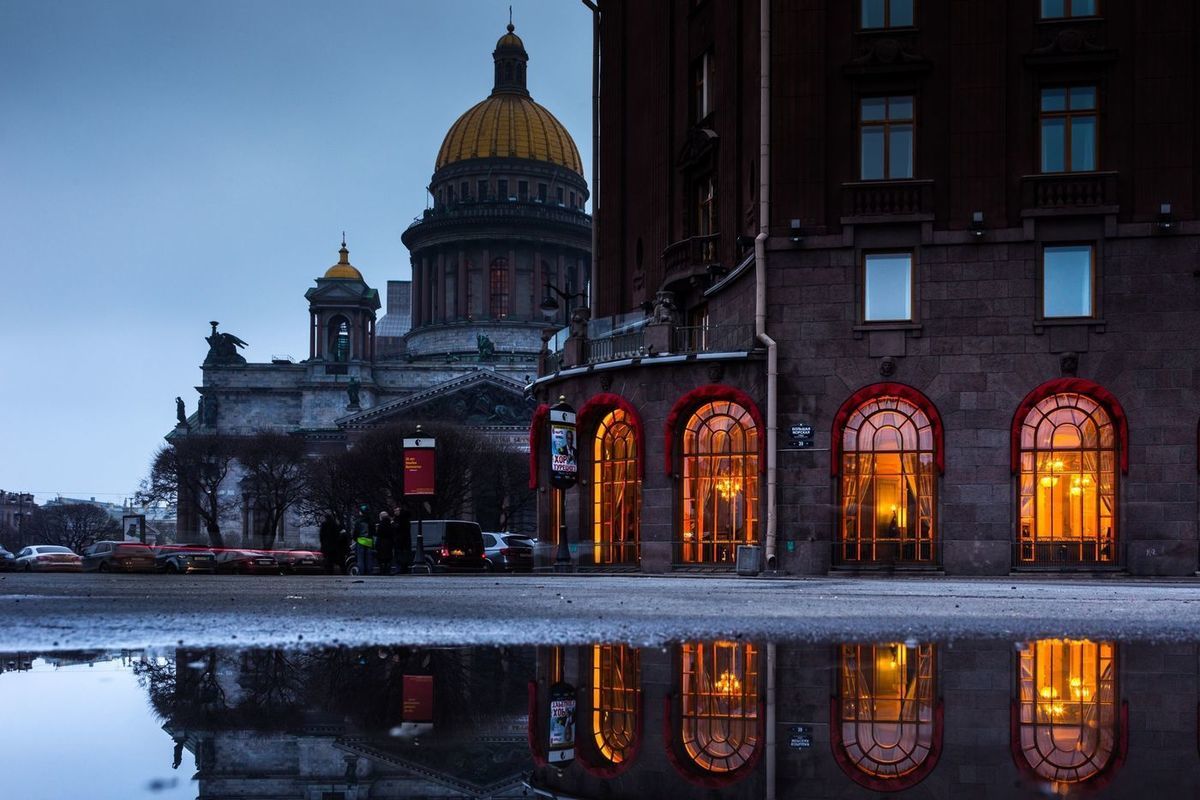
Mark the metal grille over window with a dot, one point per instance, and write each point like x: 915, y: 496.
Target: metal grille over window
x: 616, y: 686
x: 617, y: 491
x: 888, y: 484
x: 720, y: 483
x: 720, y: 704
x: 888, y: 698
x: 1068, y: 708
x: 1068, y: 483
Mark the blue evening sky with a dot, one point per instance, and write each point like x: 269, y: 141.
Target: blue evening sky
x: 164, y: 163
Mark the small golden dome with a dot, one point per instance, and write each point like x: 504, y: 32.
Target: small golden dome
x: 510, y: 39
x: 509, y: 125
x: 344, y: 269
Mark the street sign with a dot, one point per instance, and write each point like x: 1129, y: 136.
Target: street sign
x: 801, y: 435
x: 562, y: 724
x: 564, y: 464
x: 420, y: 465
x: 800, y: 737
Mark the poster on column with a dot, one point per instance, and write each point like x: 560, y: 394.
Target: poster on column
x: 420, y: 465
x: 562, y: 724
x: 564, y: 466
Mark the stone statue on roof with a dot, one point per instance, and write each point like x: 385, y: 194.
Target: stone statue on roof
x: 223, y: 348
x: 180, y: 411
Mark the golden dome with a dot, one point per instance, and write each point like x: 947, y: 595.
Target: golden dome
x: 344, y: 269
x: 509, y: 125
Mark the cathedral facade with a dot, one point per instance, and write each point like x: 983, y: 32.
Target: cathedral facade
x: 460, y: 341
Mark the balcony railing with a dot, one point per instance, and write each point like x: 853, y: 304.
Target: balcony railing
x: 616, y: 346
x: 1069, y: 190
x: 887, y: 198
x: 712, y: 339
x: 691, y: 256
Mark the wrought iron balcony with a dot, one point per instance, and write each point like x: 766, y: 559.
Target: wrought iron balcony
x: 692, y: 256
x: 1069, y: 190
x: 615, y: 347
x: 713, y: 339
x: 876, y: 199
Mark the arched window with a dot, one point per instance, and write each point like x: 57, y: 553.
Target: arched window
x: 720, y: 705
x: 616, y: 690
x: 888, y: 735
x: 616, y: 490
x: 1068, y: 721
x: 498, y: 281
x: 720, y: 482
x: 1068, y: 481
x: 339, y: 339
x: 888, y: 483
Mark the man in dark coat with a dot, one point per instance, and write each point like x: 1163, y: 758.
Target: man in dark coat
x: 331, y: 541
x: 385, y: 539
x: 402, y: 523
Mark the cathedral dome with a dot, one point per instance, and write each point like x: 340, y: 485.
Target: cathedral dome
x: 509, y: 124
x: 344, y: 269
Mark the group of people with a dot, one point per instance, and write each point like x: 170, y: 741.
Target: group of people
x: 382, y: 546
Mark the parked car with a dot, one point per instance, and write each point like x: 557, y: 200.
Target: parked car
x: 180, y: 559
x: 451, y: 545
x: 507, y: 551
x: 298, y: 562
x: 8, y: 561
x: 48, y: 558
x: 247, y: 562
x: 118, y: 557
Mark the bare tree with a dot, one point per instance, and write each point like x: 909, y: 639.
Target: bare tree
x: 333, y: 485
x: 274, y: 476
x: 75, y: 525
x: 194, y: 466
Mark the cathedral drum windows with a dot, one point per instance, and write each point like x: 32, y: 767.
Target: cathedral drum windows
x: 720, y: 483
x: 1067, y: 483
x: 888, y: 484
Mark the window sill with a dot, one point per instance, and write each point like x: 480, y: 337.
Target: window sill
x: 913, y: 328
x: 1040, y: 324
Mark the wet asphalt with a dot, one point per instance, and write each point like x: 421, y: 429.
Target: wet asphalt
x: 45, y: 612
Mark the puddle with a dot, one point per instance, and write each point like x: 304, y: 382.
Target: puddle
x: 714, y: 719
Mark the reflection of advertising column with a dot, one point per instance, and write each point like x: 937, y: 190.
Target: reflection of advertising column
x: 561, y: 747
x: 417, y: 716
x: 420, y: 462
x: 564, y: 469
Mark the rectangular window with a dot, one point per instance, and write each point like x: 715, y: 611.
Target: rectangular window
x: 704, y: 208
x: 887, y: 287
x: 523, y: 190
x: 572, y: 200
x: 560, y: 195
x: 502, y: 188
x: 464, y: 191
x: 542, y: 192
x: 1067, y: 281
x: 702, y: 87
x: 886, y: 138
x: 483, y: 190
x: 1063, y: 9
x: 886, y: 14
x: 1068, y: 123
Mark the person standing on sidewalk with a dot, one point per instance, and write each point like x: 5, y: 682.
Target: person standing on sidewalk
x: 364, y: 541
x: 403, y: 547
x: 385, y: 539
x: 331, y: 533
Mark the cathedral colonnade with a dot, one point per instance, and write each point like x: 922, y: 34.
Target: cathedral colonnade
x: 672, y: 479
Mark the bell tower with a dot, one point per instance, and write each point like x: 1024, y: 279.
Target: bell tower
x: 341, y: 311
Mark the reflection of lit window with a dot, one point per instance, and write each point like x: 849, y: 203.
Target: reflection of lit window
x: 1068, y: 482
x: 888, y: 483
x: 616, y: 679
x: 1068, y: 708
x: 887, y: 707
x: 720, y: 482
x: 720, y: 704
x: 616, y: 490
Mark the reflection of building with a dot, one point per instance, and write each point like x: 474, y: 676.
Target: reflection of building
x: 921, y: 309
x: 460, y: 341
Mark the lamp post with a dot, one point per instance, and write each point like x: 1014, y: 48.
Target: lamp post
x: 549, y: 305
x: 564, y: 469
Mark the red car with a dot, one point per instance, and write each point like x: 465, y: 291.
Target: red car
x: 247, y: 562
x: 298, y: 562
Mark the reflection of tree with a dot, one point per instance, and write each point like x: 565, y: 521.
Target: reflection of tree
x: 184, y: 689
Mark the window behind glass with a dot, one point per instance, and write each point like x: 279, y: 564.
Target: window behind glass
x: 1067, y: 281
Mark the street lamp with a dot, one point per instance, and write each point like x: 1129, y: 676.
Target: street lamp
x: 549, y: 304
x: 564, y: 469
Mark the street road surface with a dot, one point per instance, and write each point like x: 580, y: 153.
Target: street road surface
x: 41, y: 612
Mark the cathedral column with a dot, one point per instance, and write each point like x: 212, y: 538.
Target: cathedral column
x: 512, y: 282
x: 460, y: 305
x: 439, y: 289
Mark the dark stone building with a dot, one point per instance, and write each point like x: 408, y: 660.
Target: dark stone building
x: 912, y: 289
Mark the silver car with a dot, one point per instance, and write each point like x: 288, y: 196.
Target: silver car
x: 48, y: 558
x: 510, y: 552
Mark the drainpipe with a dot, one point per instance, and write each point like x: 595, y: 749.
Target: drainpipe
x: 595, y: 187
x: 760, y: 273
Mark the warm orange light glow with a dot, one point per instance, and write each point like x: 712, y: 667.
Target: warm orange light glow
x: 616, y: 491
x: 720, y: 483
x: 719, y: 714
x: 616, y: 687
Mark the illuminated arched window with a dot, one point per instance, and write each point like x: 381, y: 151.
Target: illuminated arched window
x: 1067, y: 691
x: 1068, y: 483
x: 888, y: 483
x: 888, y: 705
x: 498, y: 282
x: 720, y: 482
x: 616, y: 490
x: 616, y: 686
x: 720, y: 705
x: 339, y: 339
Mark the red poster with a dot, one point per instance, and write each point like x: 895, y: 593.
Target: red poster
x: 418, y: 471
x: 418, y: 698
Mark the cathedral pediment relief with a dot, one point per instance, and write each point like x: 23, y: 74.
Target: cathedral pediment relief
x: 339, y: 290
x: 481, y: 400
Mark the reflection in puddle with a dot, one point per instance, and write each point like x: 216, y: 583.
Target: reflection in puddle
x: 731, y: 719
